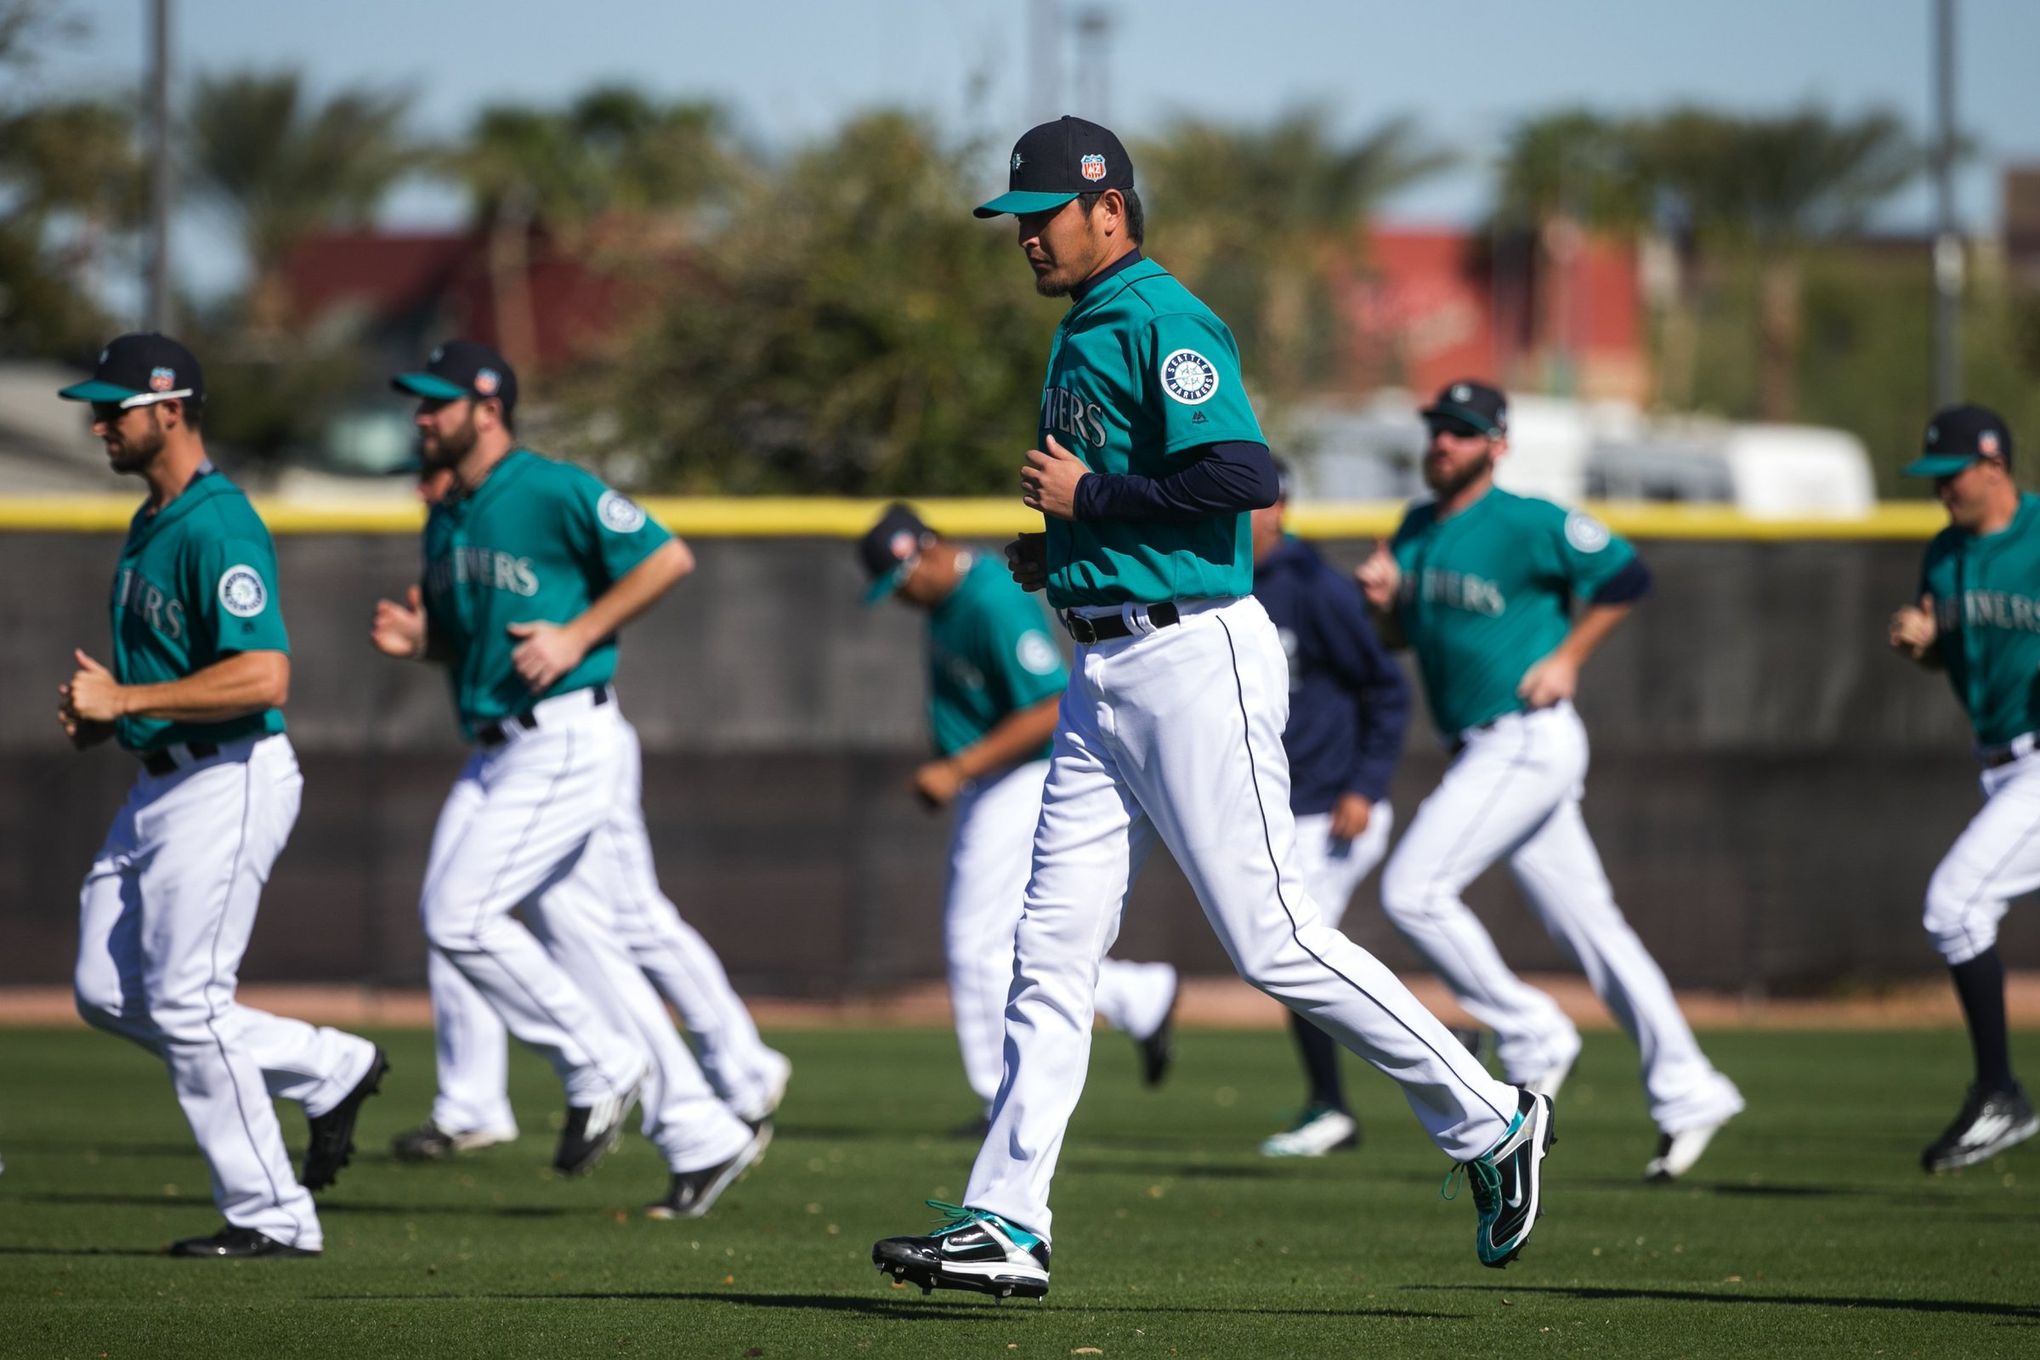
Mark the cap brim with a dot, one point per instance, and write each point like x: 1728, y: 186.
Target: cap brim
x: 428, y: 385
x: 1021, y: 201
x: 1939, y: 465
x: 883, y: 586
x: 94, y: 390
x: 1457, y: 412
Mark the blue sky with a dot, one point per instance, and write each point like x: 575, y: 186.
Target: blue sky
x: 788, y: 70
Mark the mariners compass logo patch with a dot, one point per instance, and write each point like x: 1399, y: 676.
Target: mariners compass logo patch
x: 1189, y: 377
x: 619, y: 513
x: 242, y: 593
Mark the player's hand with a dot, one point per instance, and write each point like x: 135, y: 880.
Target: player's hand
x: 1551, y: 680
x: 398, y: 630
x: 937, y: 783
x: 1027, y: 559
x: 93, y: 694
x: 1350, y: 816
x: 1914, y: 629
x: 1380, y: 576
x: 82, y: 732
x: 1049, y: 481
x: 548, y: 651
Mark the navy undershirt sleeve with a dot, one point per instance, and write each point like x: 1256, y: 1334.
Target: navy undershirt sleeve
x: 1224, y: 478
x: 1630, y: 584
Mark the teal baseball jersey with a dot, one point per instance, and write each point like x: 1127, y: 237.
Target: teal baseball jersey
x: 1141, y: 373
x: 989, y: 655
x: 1487, y: 593
x: 539, y: 540
x: 196, y: 585
x: 1987, y: 605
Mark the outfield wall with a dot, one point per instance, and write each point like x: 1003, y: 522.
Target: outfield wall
x: 1770, y: 787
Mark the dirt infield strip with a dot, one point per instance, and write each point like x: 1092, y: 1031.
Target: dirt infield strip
x: 1219, y: 1003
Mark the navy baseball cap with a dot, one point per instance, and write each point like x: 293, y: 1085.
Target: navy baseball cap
x: 889, y: 549
x: 141, y: 369
x: 1055, y: 162
x: 462, y: 369
x: 1959, y: 435
x: 1471, y: 403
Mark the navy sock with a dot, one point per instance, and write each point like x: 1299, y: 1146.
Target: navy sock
x: 1320, y: 1063
x: 1980, y: 983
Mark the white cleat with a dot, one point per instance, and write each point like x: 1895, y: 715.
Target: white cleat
x: 1318, y: 1131
x: 1677, y: 1152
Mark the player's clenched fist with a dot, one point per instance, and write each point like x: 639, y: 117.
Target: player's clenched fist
x: 398, y: 630
x: 1048, y: 482
x: 1380, y: 576
x: 1914, y: 629
x: 547, y: 652
x: 1027, y: 559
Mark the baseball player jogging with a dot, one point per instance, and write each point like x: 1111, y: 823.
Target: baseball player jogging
x: 1977, y: 620
x: 1170, y: 730
x: 201, y: 668
x: 531, y: 567
x: 995, y: 680
x: 472, y: 1108
x: 1480, y: 584
x: 1348, y: 709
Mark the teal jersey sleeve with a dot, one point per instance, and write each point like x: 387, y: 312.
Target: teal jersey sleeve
x: 608, y: 528
x: 1578, y: 550
x: 1021, y: 663
x: 1191, y: 371
x: 235, y: 595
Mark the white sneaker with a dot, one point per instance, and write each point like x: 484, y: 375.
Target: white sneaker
x: 781, y: 1071
x: 1317, y: 1131
x: 1548, y: 1082
x: 1676, y: 1152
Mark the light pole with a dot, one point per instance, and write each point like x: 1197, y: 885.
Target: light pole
x: 1947, y: 236
x: 159, y: 166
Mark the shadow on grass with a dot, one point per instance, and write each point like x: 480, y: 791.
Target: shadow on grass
x: 73, y: 1148
x: 916, y: 1307
x: 1196, y: 1171
x: 83, y: 1251
x: 338, y: 1206
x: 2024, y: 1312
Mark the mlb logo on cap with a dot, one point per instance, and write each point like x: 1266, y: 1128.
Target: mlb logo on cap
x: 487, y: 380
x: 162, y: 379
x: 1093, y: 167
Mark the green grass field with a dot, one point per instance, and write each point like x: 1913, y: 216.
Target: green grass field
x: 1807, y: 1229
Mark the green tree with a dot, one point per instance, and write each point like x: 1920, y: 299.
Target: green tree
x: 1258, y: 219
x: 848, y: 329
x: 614, y: 176
x: 282, y: 163
x: 1770, y: 187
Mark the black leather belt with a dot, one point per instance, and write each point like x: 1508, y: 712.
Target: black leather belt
x: 1997, y: 757
x: 163, y: 762
x: 1088, y: 630
x: 496, y: 733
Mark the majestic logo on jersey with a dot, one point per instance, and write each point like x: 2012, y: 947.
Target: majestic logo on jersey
x: 484, y: 567
x: 1585, y: 533
x: 162, y: 379
x: 1092, y: 167
x: 241, y: 591
x: 1189, y: 377
x: 1067, y: 412
x: 1459, y: 590
x: 158, y: 608
x: 619, y: 513
x: 1037, y: 655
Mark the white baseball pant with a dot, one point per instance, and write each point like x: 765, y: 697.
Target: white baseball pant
x: 1995, y: 859
x: 164, y: 918
x: 1175, y: 734
x: 1333, y: 870
x: 991, y: 851
x: 517, y: 833
x: 1514, y: 793
x: 617, y: 869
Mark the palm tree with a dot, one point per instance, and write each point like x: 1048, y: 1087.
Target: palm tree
x: 1258, y: 219
x: 283, y: 164
x: 1768, y: 187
